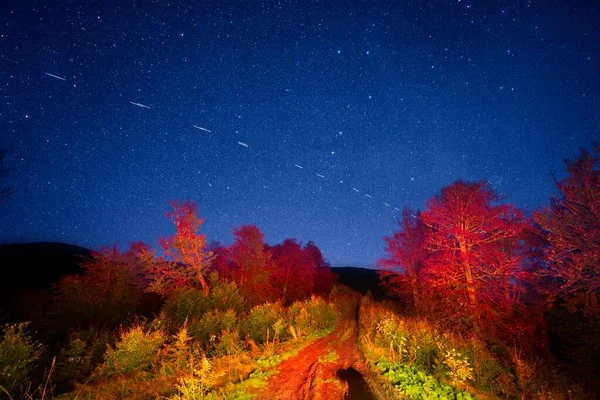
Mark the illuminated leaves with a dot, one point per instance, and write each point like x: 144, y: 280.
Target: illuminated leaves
x: 571, y: 226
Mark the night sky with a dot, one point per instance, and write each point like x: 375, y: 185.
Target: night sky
x: 302, y: 117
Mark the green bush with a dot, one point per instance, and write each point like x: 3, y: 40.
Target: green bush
x: 260, y: 320
x: 73, y: 363
x: 299, y: 318
x: 18, y: 356
x: 185, y: 304
x: 324, y: 316
x: 229, y: 342
x: 224, y: 295
x: 178, y: 352
x: 135, y: 351
x: 206, y: 329
x: 313, y: 316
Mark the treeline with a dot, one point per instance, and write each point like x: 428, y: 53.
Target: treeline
x: 483, y: 268
x: 146, y: 320
x: 114, y: 284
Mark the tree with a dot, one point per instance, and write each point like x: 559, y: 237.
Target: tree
x: 251, y: 264
x: 474, y: 260
x: 324, y: 277
x: 295, y: 272
x: 405, y: 256
x: 106, y: 294
x: 571, y: 227
x: 186, y: 260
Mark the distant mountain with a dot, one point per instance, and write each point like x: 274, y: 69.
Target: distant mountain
x: 36, y: 266
x: 360, y: 279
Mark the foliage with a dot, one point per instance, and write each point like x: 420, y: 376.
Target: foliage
x: 136, y: 350
x: 259, y: 323
x: 207, y: 330
x: 250, y: 265
x: 417, y: 384
x: 285, y: 272
x: 571, y: 227
x: 178, y: 351
x: 225, y: 295
x: 186, y: 303
x: 474, y: 263
x: 186, y: 260
x: 413, y: 349
x: 312, y: 317
x: 459, y: 369
x: 195, y: 386
x: 106, y: 294
x: 406, y: 253
x: 19, y: 354
x: 74, y: 362
x: 294, y: 271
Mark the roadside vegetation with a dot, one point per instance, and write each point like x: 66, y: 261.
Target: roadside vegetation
x: 184, y: 321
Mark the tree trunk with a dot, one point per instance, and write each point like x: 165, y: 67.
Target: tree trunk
x: 468, y: 274
x: 204, y: 285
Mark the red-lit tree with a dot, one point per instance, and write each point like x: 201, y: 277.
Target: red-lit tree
x: 106, y: 294
x: 405, y: 256
x: 324, y: 277
x: 571, y: 226
x: 250, y: 264
x: 474, y: 262
x: 294, y: 273
x: 221, y: 263
x: 186, y: 259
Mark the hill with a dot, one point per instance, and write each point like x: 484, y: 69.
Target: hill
x: 35, y: 266
x: 362, y: 280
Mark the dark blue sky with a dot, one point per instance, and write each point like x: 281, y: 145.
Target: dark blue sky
x: 392, y: 100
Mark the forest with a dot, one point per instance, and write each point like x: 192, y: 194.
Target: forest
x: 482, y: 300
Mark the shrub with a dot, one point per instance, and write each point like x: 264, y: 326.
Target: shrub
x: 178, y: 351
x: 225, y: 295
x: 324, y: 316
x: 135, y: 351
x: 18, y: 356
x: 459, y: 368
x: 299, y: 318
x: 73, y: 364
x: 260, y: 320
x: 185, y: 304
x: 195, y: 386
x: 229, y: 342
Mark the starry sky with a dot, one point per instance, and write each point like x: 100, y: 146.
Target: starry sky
x: 317, y: 120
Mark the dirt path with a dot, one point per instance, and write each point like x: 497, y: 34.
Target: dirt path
x: 313, y: 373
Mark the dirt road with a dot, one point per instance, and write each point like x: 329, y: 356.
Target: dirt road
x: 318, y: 371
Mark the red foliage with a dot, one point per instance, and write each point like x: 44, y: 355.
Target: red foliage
x: 324, y: 278
x: 294, y: 273
x: 108, y: 292
x: 571, y: 226
x: 186, y: 259
x: 250, y: 264
x: 405, y: 256
x: 474, y: 261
